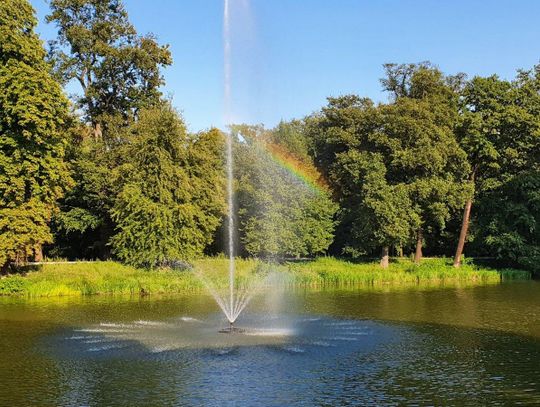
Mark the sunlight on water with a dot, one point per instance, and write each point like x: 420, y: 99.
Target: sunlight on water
x: 311, y: 347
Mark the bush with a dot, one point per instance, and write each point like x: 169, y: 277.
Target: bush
x: 13, y: 285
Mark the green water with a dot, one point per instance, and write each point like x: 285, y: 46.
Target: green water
x: 449, y: 346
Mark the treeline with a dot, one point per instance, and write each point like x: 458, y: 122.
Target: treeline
x: 447, y: 162
x: 114, y: 173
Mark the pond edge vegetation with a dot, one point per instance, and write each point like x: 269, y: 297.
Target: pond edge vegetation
x: 113, y: 278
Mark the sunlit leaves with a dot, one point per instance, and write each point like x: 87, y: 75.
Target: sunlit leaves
x: 33, y: 115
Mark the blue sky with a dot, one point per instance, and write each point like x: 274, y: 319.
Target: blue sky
x: 289, y: 55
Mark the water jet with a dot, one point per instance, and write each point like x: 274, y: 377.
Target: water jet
x: 235, y: 297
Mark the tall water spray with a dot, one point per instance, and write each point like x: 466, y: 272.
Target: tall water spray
x: 230, y: 202
x: 233, y: 302
x: 230, y: 192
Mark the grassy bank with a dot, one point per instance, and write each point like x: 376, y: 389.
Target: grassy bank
x: 89, y: 278
x: 328, y: 271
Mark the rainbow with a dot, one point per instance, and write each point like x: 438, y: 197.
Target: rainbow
x: 304, y: 172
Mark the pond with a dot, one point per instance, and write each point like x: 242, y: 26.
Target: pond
x: 452, y: 346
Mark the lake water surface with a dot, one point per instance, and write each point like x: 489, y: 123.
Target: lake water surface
x: 447, y: 346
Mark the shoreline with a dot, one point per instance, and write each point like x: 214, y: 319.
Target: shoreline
x: 58, y: 279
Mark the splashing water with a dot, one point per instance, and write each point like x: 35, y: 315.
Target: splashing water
x: 230, y: 215
x: 233, y: 301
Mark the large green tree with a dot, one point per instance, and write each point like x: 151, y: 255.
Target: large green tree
x: 171, y: 190
x: 119, y: 73
x: 117, y: 69
x: 33, y: 118
x: 396, y: 168
x: 423, y: 118
x: 500, y: 132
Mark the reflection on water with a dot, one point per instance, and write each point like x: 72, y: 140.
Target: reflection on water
x: 453, y: 346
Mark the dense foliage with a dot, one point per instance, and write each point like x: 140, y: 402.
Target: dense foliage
x: 279, y: 215
x: 33, y: 133
x: 119, y: 73
x: 170, y: 198
x: 447, y: 166
x: 509, y: 222
x: 397, y: 168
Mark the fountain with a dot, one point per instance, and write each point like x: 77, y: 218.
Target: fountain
x: 231, y: 329
x: 238, y: 297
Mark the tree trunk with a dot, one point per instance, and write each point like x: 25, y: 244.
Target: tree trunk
x: 4, y: 268
x: 38, y: 254
x: 104, y: 234
x: 463, y: 233
x: 465, y: 224
x: 20, y: 259
x: 400, y: 251
x: 385, y: 257
x: 419, y: 242
x: 97, y: 131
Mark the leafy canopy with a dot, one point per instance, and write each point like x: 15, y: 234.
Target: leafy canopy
x: 118, y: 70
x: 171, y: 195
x: 33, y: 119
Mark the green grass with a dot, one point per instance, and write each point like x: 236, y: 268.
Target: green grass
x: 89, y: 278
x: 330, y: 271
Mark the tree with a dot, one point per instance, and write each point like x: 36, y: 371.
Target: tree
x: 509, y: 222
x: 119, y: 74
x: 499, y: 131
x: 426, y: 111
x: 33, y: 121
x: 282, y: 210
x: 374, y: 213
x: 118, y: 70
x: 171, y: 197
x: 293, y: 138
x: 397, y: 168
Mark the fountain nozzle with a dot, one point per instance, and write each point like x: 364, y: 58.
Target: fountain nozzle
x: 231, y: 329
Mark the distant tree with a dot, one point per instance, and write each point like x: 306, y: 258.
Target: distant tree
x: 398, y: 78
x: 171, y: 184
x: 421, y: 80
x: 118, y: 70
x: 293, y: 137
x: 33, y: 121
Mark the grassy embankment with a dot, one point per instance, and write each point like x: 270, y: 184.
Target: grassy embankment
x: 88, y: 278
